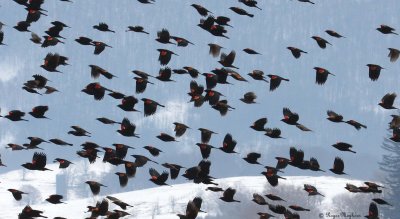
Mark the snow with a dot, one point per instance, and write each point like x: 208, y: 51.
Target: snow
x: 160, y: 202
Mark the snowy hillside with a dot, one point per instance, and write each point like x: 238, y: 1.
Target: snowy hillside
x: 166, y: 202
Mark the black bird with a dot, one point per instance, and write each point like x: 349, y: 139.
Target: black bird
x: 141, y: 160
x: 38, y: 162
x: 393, y: 54
x: 78, y: 131
x: 374, y: 71
x: 180, y: 129
x: 334, y: 34
x: 103, y: 27
x: 275, y: 81
x: 22, y: 26
x: 153, y: 150
x: 84, y: 41
x: 150, y: 106
x: 342, y: 146
x: 39, y: 111
x: 55, y: 199
x: 59, y: 142
x: 259, y: 124
x: 241, y: 11
x: 164, y: 74
x: 158, y: 179
x: 128, y: 104
x: 338, y: 166
x: 381, y: 201
x: 250, y: 3
x: 173, y: 168
x: 165, y: 56
x: 321, y: 42
x: 385, y: 29
x: 252, y: 158
x: 99, y: 47
x: 63, y: 163
x: 388, y: 100
x: 206, y: 135
x: 164, y: 37
x: 201, y: 10
x: 296, y: 52
x: 16, y: 194
x: 138, y: 29
x: 229, y: 144
x: 205, y: 150
x: 321, y: 75
x: 356, y: 124
x: 273, y: 133
x: 258, y: 75
x: 166, y: 138
x: 95, y: 186
x: 215, y: 49
x: 373, y: 212
x: 228, y: 195
x: 334, y: 117
x: 128, y: 129
x: 227, y: 60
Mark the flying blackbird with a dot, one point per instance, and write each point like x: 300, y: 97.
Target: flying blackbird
x: 252, y: 157
x: 298, y: 208
x: 334, y: 117
x: 16, y: 194
x: 173, y: 168
x: 50, y: 41
x: 118, y: 202
x: 215, y: 49
x: 28, y: 213
x: 99, y: 47
x: 314, y: 165
x: 258, y: 199
x: 334, y: 34
x: 96, y: 71
x: 103, y: 27
x: 63, y: 163
x: 223, y: 107
x: 164, y: 74
x: 321, y: 42
x: 165, y: 56
x: 388, y: 100
x: 258, y: 75
x: 342, y: 146
x: 275, y: 81
x: 181, y: 41
x: 55, y: 199
x: 374, y: 71
x: 78, y: 131
x: 265, y: 215
x: 164, y: 37
x: 249, y: 98
x: 201, y: 10
x: 393, y: 54
x: 356, y: 124
x: 274, y: 197
x: 311, y: 190
x: 84, y: 41
x: 385, y: 29
x: 229, y: 144
x: 15, y: 115
x: 251, y: 51
x: 250, y: 3
x: 150, y: 106
x: 373, y: 211
x: 205, y: 150
x: 158, y: 179
x: 259, y: 124
x: 153, y: 150
x: 128, y: 104
x: 39, y: 111
x: 227, y: 60
x: 141, y: 84
x: 381, y: 201
x: 123, y: 178
x: 95, y: 186
x: 296, y: 52
x: 273, y: 133
x: 141, y: 160
x: 60, y: 142
x: 228, y: 195
x: 165, y: 137
x: 107, y: 121
x: 22, y: 26
x: 241, y: 11
x: 180, y: 129
x: 138, y: 29
x: 321, y: 75
x: 38, y: 162
x: 128, y: 129
x: 338, y: 166
x: 206, y: 135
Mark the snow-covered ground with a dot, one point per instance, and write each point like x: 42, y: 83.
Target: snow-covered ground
x: 165, y: 201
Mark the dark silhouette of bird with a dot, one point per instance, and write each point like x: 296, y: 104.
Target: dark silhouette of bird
x: 63, y: 163
x: 277, y: 209
x: 17, y: 194
x: 385, y: 29
x: 201, y: 10
x: 252, y: 158
x: 141, y: 84
x: 158, y: 179
x: 141, y: 160
x: 28, y: 212
x: 321, y: 42
x: 78, y: 131
x: 15, y: 115
x: 273, y: 133
x: 96, y: 71
x: 127, y: 128
x: 258, y: 75
x: 22, y: 26
x: 334, y: 117
x: 164, y: 37
x: 388, y: 100
x: 95, y: 186
x: 137, y: 29
x: 118, y: 202
x: 265, y: 215
x: 107, y: 121
x: 298, y: 208
x: 128, y: 104
x: 50, y: 41
x: 342, y: 146
x: 223, y: 107
x: 258, y: 199
x: 314, y: 165
x: 227, y: 60
x: 274, y: 197
x: 311, y: 190
x: 55, y: 199
x: 165, y: 56
x: 38, y: 162
x: 393, y: 54
x: 296, y: 52
x: 51, y: 62
x: 123, y: 179
x: 321, y: 75
x: 182, y: 42
x: 205, y: 150
x: 153, y: 150
x: 251, y: 51
x: 150, y: 106
x: 228, y: 194
x: 39, y: 111
x: 206, y: 135
x: 275, y: 81
x: 84, y: 41
x: 60, y: 142
x: 306, y: 1
x: 381, y: 201
x: 166, y: 138
x: 338, y: 166
x: 241, y: 11
x: 334, y: 34
x: 259, y: 124
x: 164, y: 74
x: 249, y: 98
x: 99, y: 47
x: 173, y: 169
x: 373, y: 212
x: 180, y: 129
x: 374, y: 71
x: 356, y: 124
x: 103, y: 27
x: 35, y: 38
x: 215, y: 49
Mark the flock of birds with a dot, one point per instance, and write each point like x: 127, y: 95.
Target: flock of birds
x: 199, y: 94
